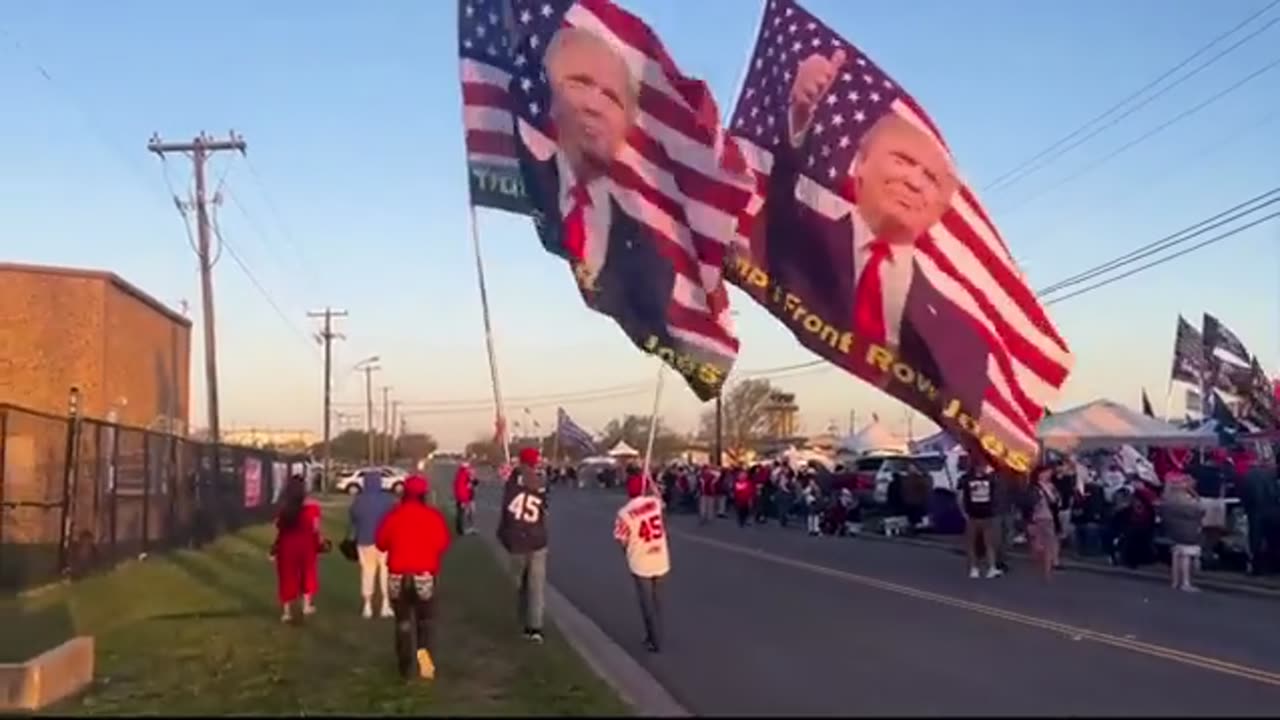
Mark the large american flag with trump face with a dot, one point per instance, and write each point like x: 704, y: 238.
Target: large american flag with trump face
x: 963, y: 254
x: 673, y: 175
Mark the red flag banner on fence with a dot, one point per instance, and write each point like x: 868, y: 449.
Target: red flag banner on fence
x: 865, y: 243
x: 619, y: 158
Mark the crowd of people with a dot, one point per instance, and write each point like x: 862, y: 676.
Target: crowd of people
x: 1101, y: 503
x: 400, y: 542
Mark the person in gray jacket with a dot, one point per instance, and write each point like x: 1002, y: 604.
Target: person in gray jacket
x: 1182, y: 516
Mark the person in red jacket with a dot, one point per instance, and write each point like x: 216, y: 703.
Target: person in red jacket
x: 636, y: 483
x: 464, y: 496
x: 296, y: 548
x: 744, y: 493
x: 415, y: 537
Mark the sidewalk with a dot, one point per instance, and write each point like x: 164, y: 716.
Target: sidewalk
x: 1266, y: 586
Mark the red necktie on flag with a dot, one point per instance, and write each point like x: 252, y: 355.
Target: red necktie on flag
x: 575, y: 223
x: 868, y: 308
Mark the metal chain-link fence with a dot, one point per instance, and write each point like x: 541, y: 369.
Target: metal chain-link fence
x: 79, y: 495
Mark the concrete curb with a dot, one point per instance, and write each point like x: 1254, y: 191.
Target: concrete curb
x: 637, y: 687
x: 1208, y: 583
x: 51, y: 676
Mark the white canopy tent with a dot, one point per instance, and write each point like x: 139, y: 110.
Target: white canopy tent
x: 796, y: 457
x: 939, y: 442
x: 623, y: 450
x: 1104, y: 424
x: 874, y: 437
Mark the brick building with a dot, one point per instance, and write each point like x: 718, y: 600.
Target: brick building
x: 127, y: 352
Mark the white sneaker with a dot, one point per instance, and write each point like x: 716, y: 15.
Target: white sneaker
x: 366, y: 612
x: 994, y: 573
x: 386, y: 612
x: 973, y: 573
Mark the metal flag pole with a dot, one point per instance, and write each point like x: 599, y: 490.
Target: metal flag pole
x: 555, y: 441
x: 1168, y: 393
x: 488, y: 341
x: 746, y: 65
x: 653, y: 423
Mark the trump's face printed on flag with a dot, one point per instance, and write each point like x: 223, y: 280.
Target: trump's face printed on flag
x: 593, y: 99
x: 902, y: 180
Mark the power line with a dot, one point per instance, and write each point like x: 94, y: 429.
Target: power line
x: 1167, y: 258
x: 1191, y: 232
x: 90, y: 119
x: 289, y: 237
x: 1000, y: 181
x: 607, y: 392
x: 1188, y: 233
x: 244, y: 267
x: 1148, y: 135
x: 1152, y: 181
x: 262, y: 234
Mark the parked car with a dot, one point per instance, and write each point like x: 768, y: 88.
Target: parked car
x: 883, y: 469
x: 352, y: 484
x: 873, y: 473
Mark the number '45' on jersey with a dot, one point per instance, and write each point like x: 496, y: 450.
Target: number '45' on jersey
x: 639, y: 527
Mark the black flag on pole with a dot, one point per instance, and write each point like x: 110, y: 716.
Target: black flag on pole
x: 1188, y: 354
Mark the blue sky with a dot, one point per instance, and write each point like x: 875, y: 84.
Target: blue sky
x: 355, y: 196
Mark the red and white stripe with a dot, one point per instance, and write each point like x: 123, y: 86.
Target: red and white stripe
x: 486, y: 114
x: 671, y: 175
x: 967, y: 260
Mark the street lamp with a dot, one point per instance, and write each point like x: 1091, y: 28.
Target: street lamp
x: 368, y: 366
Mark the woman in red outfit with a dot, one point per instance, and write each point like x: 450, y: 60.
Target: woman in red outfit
x: 414, y: 536
x: 296, y: 549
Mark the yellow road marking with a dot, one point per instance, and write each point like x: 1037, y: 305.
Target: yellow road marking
x: 1166, y: 653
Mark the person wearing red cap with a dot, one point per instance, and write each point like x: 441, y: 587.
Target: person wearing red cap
x: 415, y: 536
x: 522, y: 530
x: 642, y: 534
x: 464, y: 500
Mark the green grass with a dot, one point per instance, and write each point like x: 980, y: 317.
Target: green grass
x: 198, y: 632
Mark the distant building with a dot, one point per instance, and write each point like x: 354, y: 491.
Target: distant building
x: 296, y: 440
x: 127, y: 353
x: 781, y: 409
x: 129, y: 357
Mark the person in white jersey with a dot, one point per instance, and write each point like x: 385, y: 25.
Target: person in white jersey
x: 640, y: 530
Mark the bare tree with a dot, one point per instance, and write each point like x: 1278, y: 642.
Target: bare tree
x: 634, y: 431
x: 744, y: 421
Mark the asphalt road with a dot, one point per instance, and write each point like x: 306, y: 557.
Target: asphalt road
x: 766, y: 621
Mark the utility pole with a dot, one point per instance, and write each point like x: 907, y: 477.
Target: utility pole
x: 717, y: 454
x: 368, y: 366
x: 199, y: 150
x: 393, y: 432
x: 386, y: 421
x: 327, y: 336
